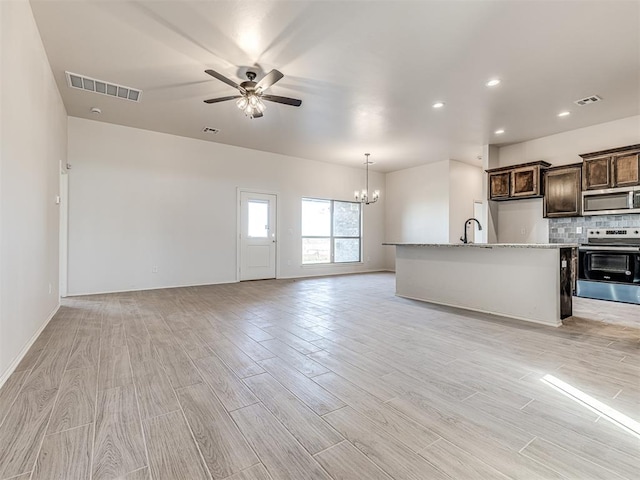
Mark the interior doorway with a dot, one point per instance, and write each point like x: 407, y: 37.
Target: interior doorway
x: 479, y: 236
x: 257, y: 236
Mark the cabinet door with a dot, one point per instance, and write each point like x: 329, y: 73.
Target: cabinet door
x: 499, y: 185
x: 596, y: 173
x: 626, y: 169
x: 525, y: 181
x: 562, y: 192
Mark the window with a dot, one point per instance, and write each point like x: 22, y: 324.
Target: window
x: 331, y: 231
x: 258, y: 218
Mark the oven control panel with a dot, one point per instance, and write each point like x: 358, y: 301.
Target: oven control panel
x: 619, y: 233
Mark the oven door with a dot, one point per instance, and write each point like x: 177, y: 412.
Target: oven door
x: 610, y: 264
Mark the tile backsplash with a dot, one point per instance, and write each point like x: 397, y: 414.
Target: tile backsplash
x: 563, y: 230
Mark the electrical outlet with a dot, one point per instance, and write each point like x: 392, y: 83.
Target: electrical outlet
x: 154, y: 269
x: 523, y: 231
x: 578, y: 229
x: 50, y: 289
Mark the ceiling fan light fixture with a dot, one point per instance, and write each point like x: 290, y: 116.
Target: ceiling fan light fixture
x: 251, y: 97
x: 242, y: 103
x: 251, y: 104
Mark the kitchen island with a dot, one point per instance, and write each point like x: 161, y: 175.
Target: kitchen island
x: 530, y: 282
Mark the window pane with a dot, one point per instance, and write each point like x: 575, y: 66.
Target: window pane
x: 258, y: 218
x: 316, y: 218
x: 346, y: 250
x: 316, y: 250
x: 346, y: 219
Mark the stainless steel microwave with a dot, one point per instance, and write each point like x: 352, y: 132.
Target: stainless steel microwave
x: 611, y: 201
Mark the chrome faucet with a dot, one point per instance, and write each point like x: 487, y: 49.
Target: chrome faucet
x: 466, y: 224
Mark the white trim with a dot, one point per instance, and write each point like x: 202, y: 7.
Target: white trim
x: 330, y: 264
x: 501, y: 315
x: 107, y: 292
x: 144, y: 289
x: 239, y: 192
x: 16, y: 361
x: 64, y: 232
x: 333, y: 274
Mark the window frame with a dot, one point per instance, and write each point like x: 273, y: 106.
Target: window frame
x: 331, y: 236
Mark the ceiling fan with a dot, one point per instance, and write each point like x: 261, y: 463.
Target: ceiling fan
x: 252, y: 93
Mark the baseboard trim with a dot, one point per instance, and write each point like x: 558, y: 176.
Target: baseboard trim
x: 16, y: 361
x: 332, y: 274
x: 310, y: 275
x: 107, y: 292
x: 504, y: 316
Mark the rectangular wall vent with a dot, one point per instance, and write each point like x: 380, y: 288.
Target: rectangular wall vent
x: 210, y: 130
x: 89, y: 84
x: 588, y: 100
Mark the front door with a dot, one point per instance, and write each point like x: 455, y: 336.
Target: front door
x: 257, y: 236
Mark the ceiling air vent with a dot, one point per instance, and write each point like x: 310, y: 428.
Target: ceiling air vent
x: 588, y: 100
x: 210, y: 130
x: 104, y: 88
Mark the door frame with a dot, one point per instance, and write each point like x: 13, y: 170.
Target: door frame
x: 239, y: 192
x: 63, y: 233
x: 482, y: 220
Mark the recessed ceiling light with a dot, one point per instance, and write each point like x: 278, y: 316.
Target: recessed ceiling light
x: 96, y: 110
x: 564, y: 114
x: 438, y: 105
x: 499, y: 132
x: 493, y: 82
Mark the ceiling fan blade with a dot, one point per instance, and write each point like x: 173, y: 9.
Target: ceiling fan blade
x: 269, y: 79
x: 222, y: 99
x: 226, y: 80
x: 286, y: 100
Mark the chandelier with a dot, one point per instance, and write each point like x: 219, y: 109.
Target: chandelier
x: 363, y: 196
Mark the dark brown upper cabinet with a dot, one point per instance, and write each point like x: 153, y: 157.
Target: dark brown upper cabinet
x: 499, y: 183
x: 516, y: 181
x: 618, y: 167
x: 626, y: 170
x: 562, y: 191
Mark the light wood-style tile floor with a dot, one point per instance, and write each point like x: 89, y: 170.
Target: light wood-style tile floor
x: 327, y: 378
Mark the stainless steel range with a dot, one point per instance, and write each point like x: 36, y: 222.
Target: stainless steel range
x: 609, y: 265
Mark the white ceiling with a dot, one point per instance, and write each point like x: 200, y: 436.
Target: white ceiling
x: 367, y: 72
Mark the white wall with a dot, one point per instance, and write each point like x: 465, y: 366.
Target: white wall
x: 139, y: 198
x: 429, y: 203
x: 418, y: 204
x: 33, y: 137
x: 560, y: 149
x: 465, y: 187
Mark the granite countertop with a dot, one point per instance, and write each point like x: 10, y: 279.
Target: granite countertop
x: 487, y: 245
